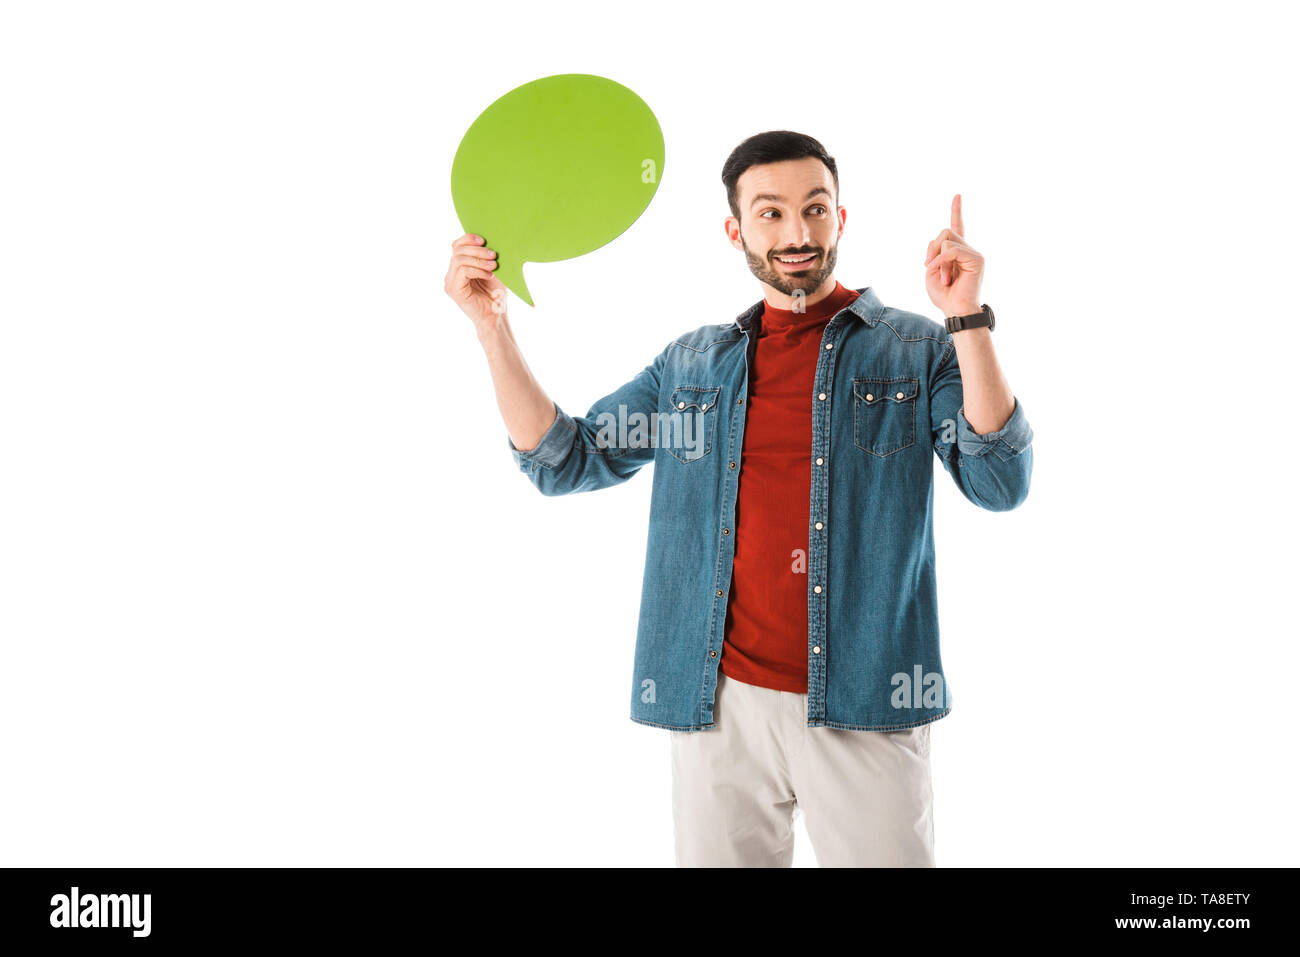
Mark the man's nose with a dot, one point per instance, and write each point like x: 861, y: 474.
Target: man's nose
x: 797, y: 236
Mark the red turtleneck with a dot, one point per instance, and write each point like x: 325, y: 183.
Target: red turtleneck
x: 766, y: 638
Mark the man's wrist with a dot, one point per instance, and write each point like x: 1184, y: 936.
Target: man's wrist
x: 494, y: 333
x: 971, y: 335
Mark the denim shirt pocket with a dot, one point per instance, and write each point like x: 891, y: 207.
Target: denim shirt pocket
x: 884, y: 413
x: 688, y: 427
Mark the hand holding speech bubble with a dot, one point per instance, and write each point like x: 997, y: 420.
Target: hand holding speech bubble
x: 555, y: 169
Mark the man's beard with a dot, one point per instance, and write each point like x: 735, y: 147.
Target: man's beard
x: 790, y: 282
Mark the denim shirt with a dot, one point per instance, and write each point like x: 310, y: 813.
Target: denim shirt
x: 887, y: 393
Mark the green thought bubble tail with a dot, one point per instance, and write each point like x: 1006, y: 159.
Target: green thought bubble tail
x: 511, y: 272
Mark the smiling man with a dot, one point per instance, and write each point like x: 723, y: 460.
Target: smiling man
x: 788, y: 637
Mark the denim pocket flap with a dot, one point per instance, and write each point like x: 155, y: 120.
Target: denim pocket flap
x: 694, y: 397
x: 877, y: 390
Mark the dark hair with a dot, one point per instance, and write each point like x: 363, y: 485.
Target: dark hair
x: 771, y: 147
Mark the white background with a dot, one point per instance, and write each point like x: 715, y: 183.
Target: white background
x: 272, y: 591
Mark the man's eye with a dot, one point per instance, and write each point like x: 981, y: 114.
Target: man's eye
x: 818, y: 208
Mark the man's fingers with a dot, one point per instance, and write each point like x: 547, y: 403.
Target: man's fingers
x: 947, y: 259
x: 948, y: 234
x: 940, y: 251
x: 469, y: 250
x: 937, y: 243
x: 465, y: 267
x: 483, y: 265
x: 939, y: 263
x: 473, y: 258
x: 951, y: 250
x: 953, y: 234
x: 471, y: 245
x: 474, y: 268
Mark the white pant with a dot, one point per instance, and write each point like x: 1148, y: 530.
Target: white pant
x: 865, y: 795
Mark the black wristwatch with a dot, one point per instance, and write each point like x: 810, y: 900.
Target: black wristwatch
x: 975, y: 320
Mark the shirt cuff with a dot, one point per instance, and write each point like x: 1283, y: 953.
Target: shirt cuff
x: 1015, y: 436
x: 553, y: 448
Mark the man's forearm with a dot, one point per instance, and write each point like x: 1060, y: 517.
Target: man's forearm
x: 525, y: 407
x: 987, y: 400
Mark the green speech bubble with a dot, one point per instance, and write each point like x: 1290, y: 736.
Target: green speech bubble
x: 554, y: 169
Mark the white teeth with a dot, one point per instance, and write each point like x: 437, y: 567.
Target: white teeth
x: 798, y: 260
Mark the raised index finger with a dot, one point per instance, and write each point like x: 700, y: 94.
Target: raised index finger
x: 956, y: 215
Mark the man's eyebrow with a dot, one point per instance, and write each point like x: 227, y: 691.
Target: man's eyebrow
x: 772, y: 197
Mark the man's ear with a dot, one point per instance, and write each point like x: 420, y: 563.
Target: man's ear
x: 731, y: 226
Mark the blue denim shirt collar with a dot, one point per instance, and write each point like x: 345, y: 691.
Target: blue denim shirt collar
x: 867, y: 307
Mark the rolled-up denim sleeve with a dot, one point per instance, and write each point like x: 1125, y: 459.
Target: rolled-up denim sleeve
x: 601, y: 448
x: 992, y: 470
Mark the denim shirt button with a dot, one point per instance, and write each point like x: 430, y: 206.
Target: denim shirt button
x: 719, y: 592
x: 817, y: 649
x: 817, y: 589
x: 681, y: 405
x: 819, y: 461
x: 818, y: 526
x: 726, y: 531
x: 821, y: 395
x: 829, y: 344
x: 713, y: 654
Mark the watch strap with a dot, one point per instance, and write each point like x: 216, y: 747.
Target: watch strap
x: 975, y: 320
